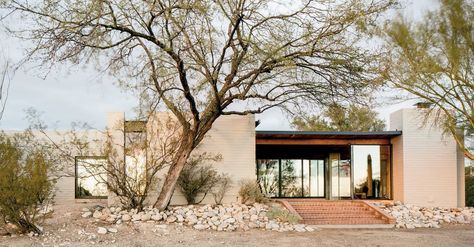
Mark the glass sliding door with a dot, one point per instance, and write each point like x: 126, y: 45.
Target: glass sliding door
x: 291, y: 178
x: 340, y: 173
x: 316, y: 178
x: 371, y: 166
x: 268, y: 177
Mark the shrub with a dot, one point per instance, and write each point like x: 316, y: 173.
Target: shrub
x: 250, y: 192
x: 469, y: 191
x: 222, y: 186
x: 282, y: 215
x: 24, y: 182
x: 196, y: 178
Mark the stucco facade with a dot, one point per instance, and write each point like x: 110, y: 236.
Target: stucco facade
x: 428, y: 169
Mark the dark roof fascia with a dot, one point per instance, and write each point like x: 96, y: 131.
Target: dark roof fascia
x: 327, y: 134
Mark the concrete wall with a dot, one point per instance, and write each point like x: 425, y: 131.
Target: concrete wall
x: 425, y: 163
x: 231, y: 137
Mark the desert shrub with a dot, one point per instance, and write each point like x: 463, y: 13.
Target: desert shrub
x: 222, y: 186
x: 250, y: 192
x: 25, y: 185
x: 282, y: 215
x: 469, y: 191
x: 197, y: 178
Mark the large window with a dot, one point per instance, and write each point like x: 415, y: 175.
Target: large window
x: 291, y: 177
x: 371, y: 167
x: 267, y: 175
x: 91, y: 177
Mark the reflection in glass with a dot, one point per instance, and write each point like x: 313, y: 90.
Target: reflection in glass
x: 90, y: 177
x: 291, y: 179
x: 267, y: 176
x: 316, y: 179
x: 371, y: 171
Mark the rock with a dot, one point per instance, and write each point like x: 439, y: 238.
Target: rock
x: 254, y: 217
x: 112, y: 230
x: 200, y: 227
x: 126, y: 218
x: 87, y: 214
x: 97, y: 215
x: 156, y: 217
x: 102, y: 230
x: 409, y: 226
x: 86, y: 210
x: 300, y: 228
x: 171, y: 219
x: 179, y: 218
x: 309, y: 229
x: 145, y: 217
x: 136, y: 217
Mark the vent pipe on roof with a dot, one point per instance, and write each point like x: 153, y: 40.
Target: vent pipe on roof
x: 423, y: 105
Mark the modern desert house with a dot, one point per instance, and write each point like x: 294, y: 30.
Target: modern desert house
x: 412, y: 162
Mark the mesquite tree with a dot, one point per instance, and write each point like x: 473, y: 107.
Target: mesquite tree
x: 433, y: 61
x: 204, y: 59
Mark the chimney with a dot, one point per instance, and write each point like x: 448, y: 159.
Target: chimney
x: 423, y: 105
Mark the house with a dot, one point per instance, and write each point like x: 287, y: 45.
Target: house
x: 411, y: 163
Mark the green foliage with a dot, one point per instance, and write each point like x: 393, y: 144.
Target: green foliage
x: 340, y: 118
x: 224, y: 184
x: 250, y: 192
x: 432, y: 60
x: 196, y: 178
x: 24, y: 182
x: 469, y: 176
x: 282, y: 214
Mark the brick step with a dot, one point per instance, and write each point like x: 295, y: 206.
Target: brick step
x: 353, y: 209
x: 327, y: 205
x: 339, y: 214
x: 345, y: 222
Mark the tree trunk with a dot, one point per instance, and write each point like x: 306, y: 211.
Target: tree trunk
x: 172, y: 177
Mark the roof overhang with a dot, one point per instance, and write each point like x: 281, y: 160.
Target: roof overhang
x: 324, y: 137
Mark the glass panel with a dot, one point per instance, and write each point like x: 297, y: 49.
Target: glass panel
x: 306, y: 178
x: 344, y: 178
x: 316, y: 179
x: 267, y: 175
x: 291, y: 183
x: 385, y: 172
x: 335, y: 178
x: 371, y: 171
x: 340, y: 176
x: 90, y: 177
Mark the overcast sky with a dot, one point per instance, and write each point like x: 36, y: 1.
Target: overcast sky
x: 82, y: 94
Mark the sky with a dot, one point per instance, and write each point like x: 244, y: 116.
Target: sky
x: 78, y: 93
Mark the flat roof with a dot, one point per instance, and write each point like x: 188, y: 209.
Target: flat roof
x: 270, y: 134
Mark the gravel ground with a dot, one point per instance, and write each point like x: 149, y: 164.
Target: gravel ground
x: 68, y: 228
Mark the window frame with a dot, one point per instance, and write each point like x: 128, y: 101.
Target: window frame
x: 76, y: 177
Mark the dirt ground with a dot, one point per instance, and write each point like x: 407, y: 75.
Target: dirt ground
x: 67, y: 228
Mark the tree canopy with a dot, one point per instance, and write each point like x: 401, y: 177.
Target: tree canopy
x: 203, y: 59
x: 433, y: 60
x: 340, y: 118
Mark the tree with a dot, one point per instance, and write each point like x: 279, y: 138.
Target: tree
x: 4, y: 86
x: 433, y: 61
x: 340, y: 118
x: 204, y: 59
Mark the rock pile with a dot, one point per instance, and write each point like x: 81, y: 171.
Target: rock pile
x: 209, y: 217
x: 409, y: 216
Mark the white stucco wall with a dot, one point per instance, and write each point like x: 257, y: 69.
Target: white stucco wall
x: 425, y: 163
